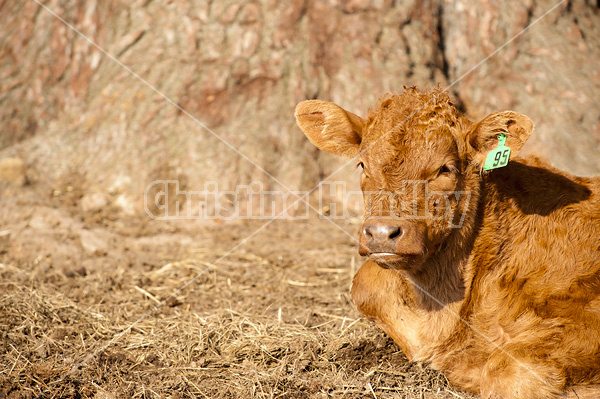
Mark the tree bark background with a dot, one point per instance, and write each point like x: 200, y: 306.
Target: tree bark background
x: 240, y: 67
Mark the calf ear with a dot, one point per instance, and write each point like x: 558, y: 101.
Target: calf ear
x: 330, y: 128
x: 484, y: 136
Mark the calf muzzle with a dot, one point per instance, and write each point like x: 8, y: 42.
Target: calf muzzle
x: 393, y: 243
x: 382, y: 238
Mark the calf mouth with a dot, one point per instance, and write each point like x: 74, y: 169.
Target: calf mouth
x: 391, y: 260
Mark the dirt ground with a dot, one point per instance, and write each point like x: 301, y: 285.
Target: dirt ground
x: 98, y: 304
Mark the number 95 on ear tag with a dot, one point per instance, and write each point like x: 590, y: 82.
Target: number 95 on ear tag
x: 498, y: 157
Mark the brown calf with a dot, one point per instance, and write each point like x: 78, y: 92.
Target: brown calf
x: 490, y: 276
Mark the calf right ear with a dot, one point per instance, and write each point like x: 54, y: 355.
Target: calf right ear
x: 329, y: 127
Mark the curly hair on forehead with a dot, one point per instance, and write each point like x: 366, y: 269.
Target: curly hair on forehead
x: 413, y: 108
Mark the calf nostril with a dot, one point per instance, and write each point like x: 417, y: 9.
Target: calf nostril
x: 395, y: 233
x: 368, y: 231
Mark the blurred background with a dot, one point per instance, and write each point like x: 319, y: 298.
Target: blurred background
x: 97, y: 300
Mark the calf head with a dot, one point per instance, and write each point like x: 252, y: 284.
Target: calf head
x: 420, y: 160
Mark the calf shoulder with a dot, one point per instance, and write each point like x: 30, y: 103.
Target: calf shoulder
x: 536, y: 267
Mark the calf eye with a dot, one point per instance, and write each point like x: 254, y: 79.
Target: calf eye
x: 446, y: 170
x: 364, y: 174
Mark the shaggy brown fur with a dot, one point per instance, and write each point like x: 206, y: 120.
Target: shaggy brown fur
x: 508, y: 303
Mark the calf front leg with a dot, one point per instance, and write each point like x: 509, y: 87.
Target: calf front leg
x: 386, y: 298
x: 512, y: 373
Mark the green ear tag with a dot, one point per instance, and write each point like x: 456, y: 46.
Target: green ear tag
x: 498, y: 157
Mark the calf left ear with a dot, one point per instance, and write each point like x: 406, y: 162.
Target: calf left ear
x: 484, y: 136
